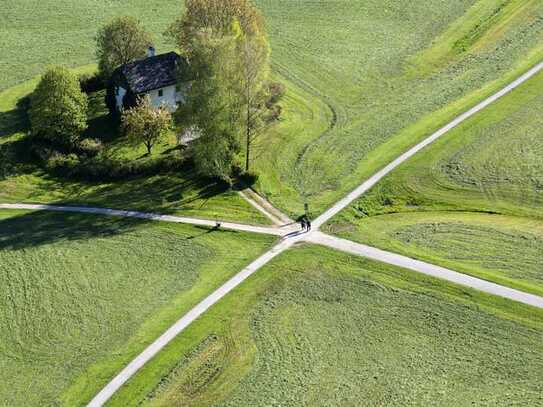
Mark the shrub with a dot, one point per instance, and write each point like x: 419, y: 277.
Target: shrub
x: 248, y: 178
x: 90, y: 147
x: 276, y: 91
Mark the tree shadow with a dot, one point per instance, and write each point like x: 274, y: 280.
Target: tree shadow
x: 13, y: 121
x: 43, y: 227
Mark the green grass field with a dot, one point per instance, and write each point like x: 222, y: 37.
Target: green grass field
x: 81, y: 295
x: 390, y: 74
x: 321, y: 328
x: 367, y: 79
x: 438, y: 205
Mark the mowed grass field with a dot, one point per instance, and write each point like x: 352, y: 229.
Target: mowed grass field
x: 318, y: 327
x: 473, y: 201
x: 366, y: 79
x: 82, y: 295
x: 390, y: 73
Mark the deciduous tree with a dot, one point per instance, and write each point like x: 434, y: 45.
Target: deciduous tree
x: 238, y: 67
x: 146, y: 124
x: 120, y: 41
x: 58, y: 108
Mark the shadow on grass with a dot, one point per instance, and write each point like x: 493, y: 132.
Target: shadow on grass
x: 13, y: 121
x: 40, y: 228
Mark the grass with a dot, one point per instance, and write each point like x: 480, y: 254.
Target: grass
x: 82, y: 295
x: 367, y: 80
x: 177, y: 193
x: 502, y: 249
x: 390, y: 75
x: 438, y: 206
x: 317, y: 327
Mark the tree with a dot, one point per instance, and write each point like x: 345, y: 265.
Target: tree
x: 216, y: 17
x: 58, y: 108
x: 211, y: 106
x: 254, y: 68
x: 119, y: 42
x: 146, y: 124
x: 235, y: 30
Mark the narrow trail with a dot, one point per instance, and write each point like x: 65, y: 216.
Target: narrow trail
x: 241, y: 227
x: 291, y: 237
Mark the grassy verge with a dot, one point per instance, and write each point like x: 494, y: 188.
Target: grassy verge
x: 338, y: 329
x: 82, y: 295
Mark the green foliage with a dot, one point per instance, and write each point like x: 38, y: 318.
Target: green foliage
x: 120, y: 41
x: 146, y: 124
x: 229, y: 52
x: 81, y: 295
x: 114, y: 178
x: 58, y: 111
x: 215, y: 17
x: 212, y: 106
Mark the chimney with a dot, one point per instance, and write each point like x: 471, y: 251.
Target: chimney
x: 151, y: 52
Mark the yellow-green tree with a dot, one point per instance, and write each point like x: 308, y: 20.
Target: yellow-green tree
x: 227, y: 46
x: 146, y: 124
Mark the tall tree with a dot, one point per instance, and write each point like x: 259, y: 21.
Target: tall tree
x: 236, y: 27
x: 211, y: 106
x: 254, y: 63
x: 146, y: 124
x: 58, y: 109
x: 120, y: 41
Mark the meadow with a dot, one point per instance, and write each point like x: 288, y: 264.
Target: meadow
x: 366, y: 79
x: 318, y: 328
x: 81, y: 295
x: 473, y: 201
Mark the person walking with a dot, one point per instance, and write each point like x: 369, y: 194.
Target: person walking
x: 308, y: 225
x: 303, y: 224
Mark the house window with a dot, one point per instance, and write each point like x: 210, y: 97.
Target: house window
x: 160, y: 93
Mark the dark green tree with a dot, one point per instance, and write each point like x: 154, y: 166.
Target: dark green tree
x: 58, y: 108
x: 120, y: 41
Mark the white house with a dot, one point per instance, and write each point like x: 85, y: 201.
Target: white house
x: 156, y: 76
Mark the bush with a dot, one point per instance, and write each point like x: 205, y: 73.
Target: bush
x: 91, y: 83
x: 58, y: 108
x: 90, y: 147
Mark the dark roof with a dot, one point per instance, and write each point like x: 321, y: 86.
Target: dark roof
x: 152, y: 72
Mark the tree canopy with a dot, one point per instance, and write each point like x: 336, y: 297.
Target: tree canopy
x: 120, y: 41
x: 58, y: 109
x: 229, y: 54
x: 215, y: 17
x: 145, y: 123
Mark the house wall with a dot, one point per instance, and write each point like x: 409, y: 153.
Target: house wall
x: 119, y: 95
x: 170, y: 97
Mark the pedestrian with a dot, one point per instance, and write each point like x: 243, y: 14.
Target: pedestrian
x: 303, y: 223
x: 308, y: 225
